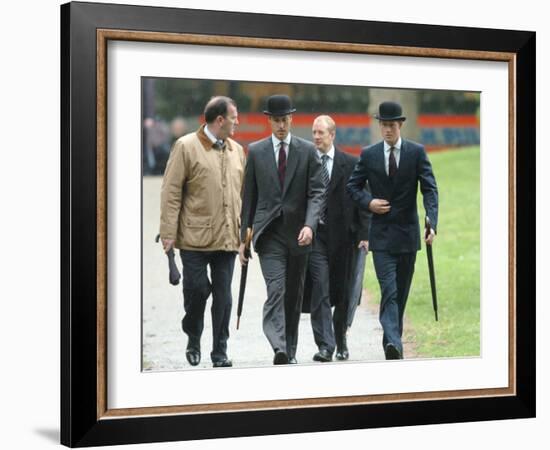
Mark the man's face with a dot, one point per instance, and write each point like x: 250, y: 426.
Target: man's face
x: 322, y: 137
x: 390, y: 130
x: 280, y: 125
x: 228, y: 123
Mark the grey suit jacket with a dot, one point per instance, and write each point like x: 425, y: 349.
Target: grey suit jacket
x: 299, y: 202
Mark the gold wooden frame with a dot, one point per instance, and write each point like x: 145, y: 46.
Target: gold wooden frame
x: 105, y: 35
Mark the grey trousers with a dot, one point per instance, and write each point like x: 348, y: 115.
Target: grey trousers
x: 284, y: 275
x: 320, y: 310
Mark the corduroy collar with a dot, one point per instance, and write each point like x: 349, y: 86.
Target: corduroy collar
x: 207, y: 143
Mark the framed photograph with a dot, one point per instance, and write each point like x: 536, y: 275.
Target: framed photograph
x: 445, y: 121
x: 136, y: 78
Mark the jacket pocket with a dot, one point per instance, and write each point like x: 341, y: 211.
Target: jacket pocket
x: 198, y: 231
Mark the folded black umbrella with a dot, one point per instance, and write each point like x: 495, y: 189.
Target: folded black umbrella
x: 244, y: 273
x: 357, y: 286
x: 174, y: 274
x: 431, y: 267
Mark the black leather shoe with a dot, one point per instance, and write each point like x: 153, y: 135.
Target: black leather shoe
x: 193, y: 356
x: 392, y: 352
x: 323, y: 355
x: 223, y: 363
x: 280, y: 358
x: 292, y: 360
x: 342, y: 355
x: 193, y: 351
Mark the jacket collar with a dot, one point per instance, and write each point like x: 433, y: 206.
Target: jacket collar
x: 207, y: 143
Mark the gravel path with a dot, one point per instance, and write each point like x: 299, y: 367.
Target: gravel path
x: 164, y: 343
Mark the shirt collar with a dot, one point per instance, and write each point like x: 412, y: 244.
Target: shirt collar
x: 397, y: 146
x: 330, y: 153
x: 213, y: 138
x: 276, y: 141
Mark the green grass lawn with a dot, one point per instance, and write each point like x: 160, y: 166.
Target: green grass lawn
x: 457, y: 264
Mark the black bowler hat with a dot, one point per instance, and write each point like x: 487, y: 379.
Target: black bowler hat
x: 390, y: 111
x: 279, y: 105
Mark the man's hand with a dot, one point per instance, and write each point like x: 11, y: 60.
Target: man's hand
x: 305, y: 237
x: 242, y: 258
x: 364, y: 244
x: 168, y: 244
x: 379, y: 206
x: 430, y: 238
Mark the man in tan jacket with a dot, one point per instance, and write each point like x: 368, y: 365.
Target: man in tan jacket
x: 200, y: 210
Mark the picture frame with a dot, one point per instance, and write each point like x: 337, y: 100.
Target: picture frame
x: 86, y: 28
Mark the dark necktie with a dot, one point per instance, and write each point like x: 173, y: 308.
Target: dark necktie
x: 392, y: 167
x: 282, y: 164
x: 219, y: 144
x: 326, y: 181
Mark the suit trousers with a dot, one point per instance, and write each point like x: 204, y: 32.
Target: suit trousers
x: 284, y: 275
x: 344, y: 309
x: 320, y: 310
x: 394, y: 273
x: 197, y: 287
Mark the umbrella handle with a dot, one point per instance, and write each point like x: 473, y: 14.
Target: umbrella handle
x: 428, y: 227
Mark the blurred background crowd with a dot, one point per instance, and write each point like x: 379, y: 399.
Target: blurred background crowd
x: 173, y: 107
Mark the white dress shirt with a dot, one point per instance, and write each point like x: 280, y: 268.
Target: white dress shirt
x: 213, y: 138
x: 330, y: 160
x: 396, y: 152
x: 277, y: 146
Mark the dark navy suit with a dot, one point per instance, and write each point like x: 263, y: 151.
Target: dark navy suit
x: 394, y: 237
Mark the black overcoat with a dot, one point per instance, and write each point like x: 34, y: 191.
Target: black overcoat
x: 347, y: 225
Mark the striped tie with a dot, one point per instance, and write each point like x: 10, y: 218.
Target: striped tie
x: 326, y: 180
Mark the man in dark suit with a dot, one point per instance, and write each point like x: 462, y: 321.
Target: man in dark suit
x: 341, y: 233
x: 282, y: 199
x: 393, y: 170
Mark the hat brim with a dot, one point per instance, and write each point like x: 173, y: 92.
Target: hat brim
x: 280, y: 113
x: 389, y: 119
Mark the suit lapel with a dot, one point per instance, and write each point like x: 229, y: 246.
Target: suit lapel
x: 381, y: 165
x: 291, y: 163
x: 270, y: 163
x: 404, y: 156
x: 380, y: 162
x: 337, y: 170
